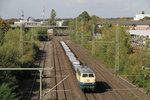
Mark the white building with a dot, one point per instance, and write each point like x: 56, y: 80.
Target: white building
x: 141, y: 16
x: 59, y: 23
x: 29, y: 21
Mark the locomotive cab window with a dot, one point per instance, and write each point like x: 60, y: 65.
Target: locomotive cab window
x: 85, y: 75
x: 91, y: 75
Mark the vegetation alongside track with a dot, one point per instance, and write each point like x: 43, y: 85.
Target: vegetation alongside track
x: 11, y: 56
x: 131, y: 59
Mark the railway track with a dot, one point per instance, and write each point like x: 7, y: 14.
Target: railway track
x: 87, y: 96
x: 109, y: 87
x: 63, y: 91
x: 94, y: 96
x: 36, y: 74
x: 54, y: 64
x: 47, y: 73
x: 58, y: 72
x: 113, y: 95
x: 66, y: 84
x: 84, y: 96
x: 120, y: 89
x: 61, y: 87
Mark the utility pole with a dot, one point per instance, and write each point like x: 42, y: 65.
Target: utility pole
x: 32, y: 39
x: 117, y: 50
x: 70, y: 31
x: 81, y: 31
x: 76, y: 27
x: 40, y: 84
x: 93, y: 40
x: 21, y: 44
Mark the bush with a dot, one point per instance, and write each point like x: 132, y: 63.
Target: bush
x: 7, y: 92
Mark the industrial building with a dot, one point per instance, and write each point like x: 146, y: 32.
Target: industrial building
x: 136, y: 28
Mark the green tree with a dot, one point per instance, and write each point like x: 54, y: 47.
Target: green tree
x: 95, y: 19
x: 10, y: 56
x: 143, y: 12
x: 66, y: 23
x: 10, y: 50
x: 52, y: 20
x: 85, y: 16
x: 1, y: 37
x: 7, y: 92
x: 145, y: 18
x: 106, y: 52
x: 42, y: 34
x: 3, y: 25
x: 12, y: 20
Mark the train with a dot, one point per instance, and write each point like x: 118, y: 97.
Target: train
x: 84, y: 74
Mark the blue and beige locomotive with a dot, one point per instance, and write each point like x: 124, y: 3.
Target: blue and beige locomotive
x: 84, y: 74
x: 85, y: 77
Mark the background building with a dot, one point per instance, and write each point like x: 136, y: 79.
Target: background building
x: 141, y: 16
x: 136, y: 28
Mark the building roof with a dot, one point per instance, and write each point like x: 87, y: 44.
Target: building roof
x: 31, y: 19
x: 85, y: 69
x: 147, y: 22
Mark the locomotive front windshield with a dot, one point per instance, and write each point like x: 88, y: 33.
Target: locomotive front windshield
x: 88, y: 75
x: 85, y: 75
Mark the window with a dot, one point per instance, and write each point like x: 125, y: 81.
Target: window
x: 91, y: 75
x: 84, y: 75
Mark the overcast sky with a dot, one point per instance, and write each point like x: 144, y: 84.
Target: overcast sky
x: 72, y: 8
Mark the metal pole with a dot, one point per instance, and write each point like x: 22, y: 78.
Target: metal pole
x: 117, y: 50
x: 93, y: 40
x: 40, y: 84
x: 21, y: 44
x: 76, y: 27
x: 26, y: 69
x: 32, y: 36
x: 82, y: 31
x: 70, y: 32
x: 147, y: 68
